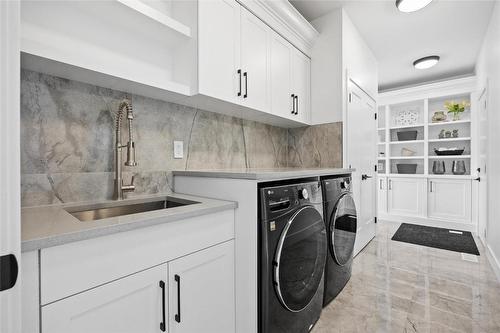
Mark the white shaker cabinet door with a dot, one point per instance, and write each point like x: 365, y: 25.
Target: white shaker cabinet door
x: 255, y: 62
x: 406, y: 196
x: 282, y: 95
x: 450, y: 199
x: 128, y: 305
x: 301, y: 78
x: 382, y: 195
x: 201, y: 288
x: 219, y: 49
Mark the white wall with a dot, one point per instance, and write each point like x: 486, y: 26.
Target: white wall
x: 358, y: 59
x: 338, y: 50
x: 326, y: 69
x: 488, y: 73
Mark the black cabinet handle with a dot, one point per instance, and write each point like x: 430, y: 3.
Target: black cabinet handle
x: 178, y: 315
x: 478, y: 179
x: 293, y: 103
x: 162, y: 324
x: 239, y: 73
x: 246, y: 84
x: 297, y: 106
x: 365, y: 177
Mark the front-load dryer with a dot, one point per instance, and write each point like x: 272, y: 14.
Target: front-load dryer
x: 293, y: 251
x: 341, y: 225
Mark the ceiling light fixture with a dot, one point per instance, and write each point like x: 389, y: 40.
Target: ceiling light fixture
x: 408, y: 6
x: 426, y: 62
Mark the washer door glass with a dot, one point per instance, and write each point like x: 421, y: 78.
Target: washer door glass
x: 300, y: 259
x: 343, y: 229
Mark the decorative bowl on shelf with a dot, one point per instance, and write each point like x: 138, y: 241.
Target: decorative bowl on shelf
x: 407, y: 152
x: 449, y: 151
x: 407, y: 168
x: 407, y: 135
x: 439, y: 117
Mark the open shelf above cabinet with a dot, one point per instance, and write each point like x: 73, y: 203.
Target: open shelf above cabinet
x: 163, y: 19
x: 111, y: 44
x: 450, y: 139
x: 447, y: 123
x: 449, y: 157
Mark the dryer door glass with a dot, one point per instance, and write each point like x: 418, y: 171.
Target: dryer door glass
x: 343, y: 229
x: 300, y: 259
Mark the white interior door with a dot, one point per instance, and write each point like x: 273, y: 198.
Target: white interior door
x: 482, y: 199
x: 361, y: 155
x: 10, y: 220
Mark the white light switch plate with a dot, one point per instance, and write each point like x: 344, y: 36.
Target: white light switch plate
x: 178, y: 149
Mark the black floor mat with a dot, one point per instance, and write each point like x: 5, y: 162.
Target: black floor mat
x: 457, y: 240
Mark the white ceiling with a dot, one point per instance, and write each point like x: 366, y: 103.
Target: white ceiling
x: 452, y: 29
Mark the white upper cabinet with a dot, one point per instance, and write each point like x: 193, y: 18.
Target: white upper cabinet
x: 219, y: 50
x: 255, y: 61
x: 450, y: 199
x: 301, y: 85
x: 244, y: 61
x: 216, y: 55
x: 282, y: 97
x: 201, y: 289
x: 128, y: 305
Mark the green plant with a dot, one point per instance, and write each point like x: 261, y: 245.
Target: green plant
x: 456, y: 108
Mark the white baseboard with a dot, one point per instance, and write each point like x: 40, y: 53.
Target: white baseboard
x: 495, y: 263
x: 429, y: 222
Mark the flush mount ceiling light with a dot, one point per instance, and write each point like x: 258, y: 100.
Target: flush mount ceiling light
x: 408, y: 6
x: 426, y: 62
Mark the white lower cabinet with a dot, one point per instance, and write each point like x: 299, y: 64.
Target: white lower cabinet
x: 445, y: 202
x: 128, y: 305
x: 194, y: 293
x: 201, y: 291
x: 406, y: 196
x: 450, y: 199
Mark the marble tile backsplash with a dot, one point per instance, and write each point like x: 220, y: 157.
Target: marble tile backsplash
x: 67, y: 142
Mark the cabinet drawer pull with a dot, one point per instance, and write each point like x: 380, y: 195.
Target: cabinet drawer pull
x: 239, y: 73
x: 381, y: 184
x: 390, y: 184
x: 293, y: 103
x: 431, y: 186
x: 178, y: 315
x: 246, y: 84
x: 162, y: 324
x: 297, y: 106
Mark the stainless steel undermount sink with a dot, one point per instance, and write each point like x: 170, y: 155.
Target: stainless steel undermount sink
x: 102, y: 211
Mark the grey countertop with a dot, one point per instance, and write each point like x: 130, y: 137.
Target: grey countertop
x: 52, y: 225
x: 263, y: 174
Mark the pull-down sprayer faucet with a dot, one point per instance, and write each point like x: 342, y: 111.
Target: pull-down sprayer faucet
x: 119, y: 188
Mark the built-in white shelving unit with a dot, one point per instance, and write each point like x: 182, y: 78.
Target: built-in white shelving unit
x: 409, y: 188
x: 393, y: 121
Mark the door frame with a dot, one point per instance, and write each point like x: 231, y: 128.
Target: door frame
x: 482, y: 97
x: 10, y: 178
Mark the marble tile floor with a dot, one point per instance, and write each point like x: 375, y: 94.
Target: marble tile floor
x: 401, y: 287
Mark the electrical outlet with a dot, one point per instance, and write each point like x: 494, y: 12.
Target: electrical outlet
x: 178, y: 149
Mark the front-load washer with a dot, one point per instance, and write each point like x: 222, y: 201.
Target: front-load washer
x: 293, y: 251
x: 341, y: 225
